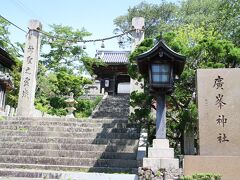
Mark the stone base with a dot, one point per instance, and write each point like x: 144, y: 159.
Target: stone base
x: 227, y: 166
x: 70, y: 115
x: 161, y: 152
x: 161, y: 156
x: 161, y: 163
x: 160, y: 143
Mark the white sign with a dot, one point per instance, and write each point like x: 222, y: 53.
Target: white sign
x: 218, y: 110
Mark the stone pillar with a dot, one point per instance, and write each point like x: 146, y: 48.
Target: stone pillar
x: 101, y: 84
x: 4, y: 98
x: 7, y: 110
x: 138, y: 34
x: 138, y: 24
x: 161, y: 155
x: 1, y: 97
x: 114, y: 84
x: 29, y: 71
x: 12, y: 112
x: 161, y: 117
x: 189, y: 148
x: 218, y: 98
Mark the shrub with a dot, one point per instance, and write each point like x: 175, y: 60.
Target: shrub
x: 202, y: 176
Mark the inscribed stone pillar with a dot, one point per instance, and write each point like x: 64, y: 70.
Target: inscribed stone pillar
x: 218, y: 110
x: 138, y: 34
x: 29, y: 71
x: 138, y: 24
x: 218, y: 92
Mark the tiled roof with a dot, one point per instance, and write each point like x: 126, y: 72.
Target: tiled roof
x: 113, y: 57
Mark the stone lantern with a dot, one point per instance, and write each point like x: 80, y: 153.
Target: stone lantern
x: 70, y: 105
x: 162, y: 66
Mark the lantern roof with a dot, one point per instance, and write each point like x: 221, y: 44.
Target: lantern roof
x: 161, y: 53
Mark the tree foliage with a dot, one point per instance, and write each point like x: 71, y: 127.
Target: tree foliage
x: 157, y: 18
x: 228, y: 20
x: 62, y: 66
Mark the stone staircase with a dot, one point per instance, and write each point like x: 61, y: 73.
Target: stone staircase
x: 48, y: 147
x: 113, y: 107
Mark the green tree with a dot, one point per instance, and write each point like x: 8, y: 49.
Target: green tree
x: 199, y: 13
x: 158, y: 18
x: 228, y: 20
x: 61, y: 67
x: 63, y: 48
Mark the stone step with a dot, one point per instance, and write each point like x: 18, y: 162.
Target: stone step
x: 25, y: 132
x: 107, y: 143
x: 86, y: 120
x: 116, y: 106
x: 68, y: 153
x: 68, y: 129
x: 68, y: 124
x: 65, y: 146
x: 113, y: 107
x: 90, y: 162
x: 117, y: 98
x: 112, y: 102
x: 116, y: 101
x: 107, y: 115
x: 111, y: 111
x: 12, y: 166
x: 84, y: 140
x: 114, y: 114
x: 119, y: 105
x: 23, y: 174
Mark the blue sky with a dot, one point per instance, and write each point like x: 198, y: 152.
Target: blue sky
x: 95, y: 15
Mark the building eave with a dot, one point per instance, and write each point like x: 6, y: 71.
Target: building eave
x: 5, y: 59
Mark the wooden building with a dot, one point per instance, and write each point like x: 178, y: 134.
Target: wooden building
x: 114, y: 71
x: 6, y: 82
